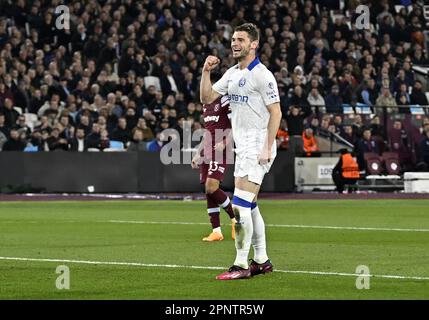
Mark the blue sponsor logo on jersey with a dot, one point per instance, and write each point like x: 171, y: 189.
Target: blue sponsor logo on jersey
x: 238, y: 98
x: 242, y: 82
x: 271, y: 94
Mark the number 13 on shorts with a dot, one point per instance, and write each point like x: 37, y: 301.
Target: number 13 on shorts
x: 215, y: 166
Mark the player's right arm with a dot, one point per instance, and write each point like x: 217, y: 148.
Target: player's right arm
x: 207, y: 93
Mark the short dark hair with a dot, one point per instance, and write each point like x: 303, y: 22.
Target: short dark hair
x: 251, y: 29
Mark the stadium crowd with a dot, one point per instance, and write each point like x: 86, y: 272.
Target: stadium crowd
x: 126, y: 70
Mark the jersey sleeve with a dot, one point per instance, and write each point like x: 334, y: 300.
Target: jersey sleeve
x: 221, y: 86
x: 225, y: 103
x: 266, y: 85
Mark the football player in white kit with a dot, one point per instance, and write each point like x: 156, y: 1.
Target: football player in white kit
x: 255, y: 119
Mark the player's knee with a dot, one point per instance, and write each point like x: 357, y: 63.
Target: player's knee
x: 211, y: 186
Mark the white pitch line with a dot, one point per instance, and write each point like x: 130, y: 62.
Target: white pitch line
x: 279, y: 226
x: 178, y: 266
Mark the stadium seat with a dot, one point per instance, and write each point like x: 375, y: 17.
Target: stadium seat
x: 31, y: 149
x: 152, y: 81
x: 348, y: 109
x: 31, y: 119
x: 116, y: 145
x: 398, y: 8
x: 416, y: 110
x: 362, y: 108
x: 18, y: 109
x: 374, y: 164
x: 113, y: 150
x: 391, y: 162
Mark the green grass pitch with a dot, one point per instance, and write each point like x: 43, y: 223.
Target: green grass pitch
x: 84, y: 231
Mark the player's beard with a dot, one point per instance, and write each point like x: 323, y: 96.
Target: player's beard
x: 244, y: 53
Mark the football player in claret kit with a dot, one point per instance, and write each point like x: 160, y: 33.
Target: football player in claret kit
x: 255, y: 119
x: 211, y: 158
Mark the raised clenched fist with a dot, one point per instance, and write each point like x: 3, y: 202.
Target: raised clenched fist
x: 211, y: 63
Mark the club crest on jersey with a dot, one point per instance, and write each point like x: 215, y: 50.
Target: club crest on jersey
x: 216, y: 108
x: 271, y: 85
x: 242, y: 82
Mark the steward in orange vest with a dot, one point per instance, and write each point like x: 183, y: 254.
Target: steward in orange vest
x: 350, y: 168
x: 346, y: 171
x: 309, y: 143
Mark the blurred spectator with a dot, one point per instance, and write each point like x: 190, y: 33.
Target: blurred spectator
x: 147, y: 132
x: 138, y: 143
x: 10, y: 114
x: 338, y: 123
x: 3, y: 128
x: 78, y: 143
x: 55, y: 142
x: 424, y: 148
x: 93, y: 139
x: 334, y: 101
x: 104, y: 140
x: 358, y: 126
x: 347, y: 84
x: 22, y: 127
x: 400, y: 80
x: 14, y: 143
x: 315, y: 98
x: 348, y: 134
x: 368, y: 94
x: 126, y: 59
x: 282, y: 137
x: 418, y: 96
x: 3, y: 140
x: 400, y: 142
x: 299, y: 99
x: 156, y: 144
x: 295, y: 118
x: 315, y: 125
x: 121, y: 132
x: 310, y: 146
x: 377, y: 132
x: 364, y: 145
x: 385, y: 100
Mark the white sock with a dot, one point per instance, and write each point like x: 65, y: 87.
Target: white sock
x: 258, y: 238
x: 218, y: 230
x: 243, y: 201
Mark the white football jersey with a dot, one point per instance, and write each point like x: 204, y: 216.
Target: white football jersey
x: 250, y: 91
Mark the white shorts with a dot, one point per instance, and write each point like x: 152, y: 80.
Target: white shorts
x: 249, y: 166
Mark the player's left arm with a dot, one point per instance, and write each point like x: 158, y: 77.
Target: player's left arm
x: 267, y: 88
x: 273, y: 126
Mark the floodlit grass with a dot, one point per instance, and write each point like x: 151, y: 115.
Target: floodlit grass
x: 84, y: 231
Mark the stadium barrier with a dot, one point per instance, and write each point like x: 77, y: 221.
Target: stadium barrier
x: 118, y: 172
x: 314, y: 173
